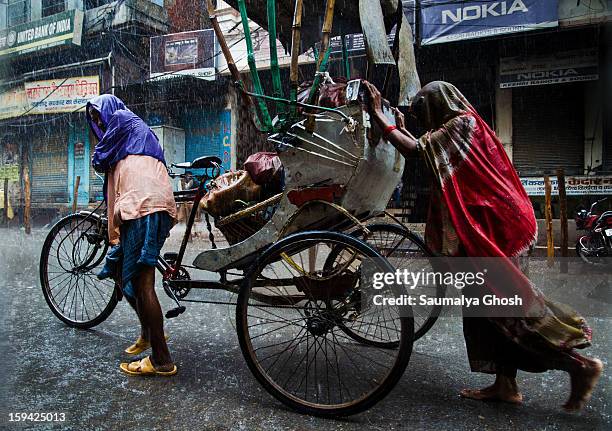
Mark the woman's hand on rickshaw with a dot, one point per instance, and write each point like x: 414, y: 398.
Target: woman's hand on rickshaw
x: 397, y: 135
x: 375, y: 100
x: 400, y: 120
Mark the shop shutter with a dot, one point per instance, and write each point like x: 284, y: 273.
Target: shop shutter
x: 208, y: 133
x: 548, y: 129
x: 49, y: 158
x: 607, y: 156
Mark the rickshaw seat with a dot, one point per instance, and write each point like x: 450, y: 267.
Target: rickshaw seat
x: 204, y: 162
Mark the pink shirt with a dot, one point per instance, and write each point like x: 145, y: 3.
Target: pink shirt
x: 137, y: 186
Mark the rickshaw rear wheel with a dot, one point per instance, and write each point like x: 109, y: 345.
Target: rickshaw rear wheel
x: 289, y: 326
x: 72, y: 253
x: 398, y: 244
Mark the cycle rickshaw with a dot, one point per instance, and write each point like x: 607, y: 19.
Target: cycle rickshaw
x: 302, y: 264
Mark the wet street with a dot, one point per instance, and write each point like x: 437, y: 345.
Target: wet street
x: 49, y: 367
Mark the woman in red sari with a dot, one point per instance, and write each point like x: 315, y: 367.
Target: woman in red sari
x: 480, y: 209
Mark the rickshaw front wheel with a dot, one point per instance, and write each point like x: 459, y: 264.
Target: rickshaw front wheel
x: 290, y: 320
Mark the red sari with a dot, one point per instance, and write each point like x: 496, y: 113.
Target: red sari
x: 480, y: 209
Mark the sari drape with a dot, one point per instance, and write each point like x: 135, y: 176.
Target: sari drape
x: 479, y: 208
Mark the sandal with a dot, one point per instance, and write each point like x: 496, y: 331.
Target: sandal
x: 144, y: 367
x: 140, y: 346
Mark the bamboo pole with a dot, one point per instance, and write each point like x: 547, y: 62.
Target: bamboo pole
x: 257, y: 87
x: 6, y: 202
x: 28, y: 200
x: 227, y: 53
x: 326, y: 33
x: 296, y: 38
x: 231, y: 65
x: 75, y: 194
x: 563, y: 219
x: 345, y: 59
x: 274, y: 68
x: 322, y: 59
x: 550, y: 249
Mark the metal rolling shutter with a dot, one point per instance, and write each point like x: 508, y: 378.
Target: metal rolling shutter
x: 607, y: 133
x: 50, y: 168
x: 548, y: 129
x: 207, y: 133
x: 607, y: 153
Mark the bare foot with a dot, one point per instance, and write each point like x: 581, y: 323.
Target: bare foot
x: 504, y: 389
x: 583, y: 382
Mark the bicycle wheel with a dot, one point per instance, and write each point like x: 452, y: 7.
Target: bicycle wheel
x: 290, y: 320
x: 72, y: 254
x: 404, y: 250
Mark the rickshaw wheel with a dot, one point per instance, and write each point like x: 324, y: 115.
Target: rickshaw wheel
x: 290, y: 326
x: 404, y: 250
x: 72, y: 254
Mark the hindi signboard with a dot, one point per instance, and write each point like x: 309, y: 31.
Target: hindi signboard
x: 54, y: 96
x: 59, y: 29
x: 50, y: 96
x: 449, y: 21
x: 557, y: 68
x: 574, y: 186
x: 13, y: 103
x: 188, y: 53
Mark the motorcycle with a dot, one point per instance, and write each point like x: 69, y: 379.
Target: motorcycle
x: 595, y: 245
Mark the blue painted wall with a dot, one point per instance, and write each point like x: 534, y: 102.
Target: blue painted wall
x: 208, y: 133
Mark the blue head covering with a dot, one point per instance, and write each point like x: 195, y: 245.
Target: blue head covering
x: 126, y: 134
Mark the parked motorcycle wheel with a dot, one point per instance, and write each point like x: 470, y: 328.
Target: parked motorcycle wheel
x: 582, y: 245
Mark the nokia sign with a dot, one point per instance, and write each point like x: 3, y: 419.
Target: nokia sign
x: 482, y: 11
x: 447, y: 21
x: 558, y: 68
x: 547, y: 74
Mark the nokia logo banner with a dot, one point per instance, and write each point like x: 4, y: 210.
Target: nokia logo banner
x: 483, y: 11
x: 449, y: 21
x: 561, y: 67
x: 548, y: 74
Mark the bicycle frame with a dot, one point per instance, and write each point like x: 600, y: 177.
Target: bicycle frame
x: 170, y: 270
x: 183, y: 197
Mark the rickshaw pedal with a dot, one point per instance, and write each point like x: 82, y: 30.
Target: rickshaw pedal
x: 175, y: 312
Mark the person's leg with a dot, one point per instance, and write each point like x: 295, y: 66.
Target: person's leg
x: 487, y: 353
x: 505, y: 356
x: 143, y: 329
x: 504, y: 389
x: 584, y: 373
x: 150, y: 313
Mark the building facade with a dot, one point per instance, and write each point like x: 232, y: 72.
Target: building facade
x: 54, y: 56
x: 542, y: 80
